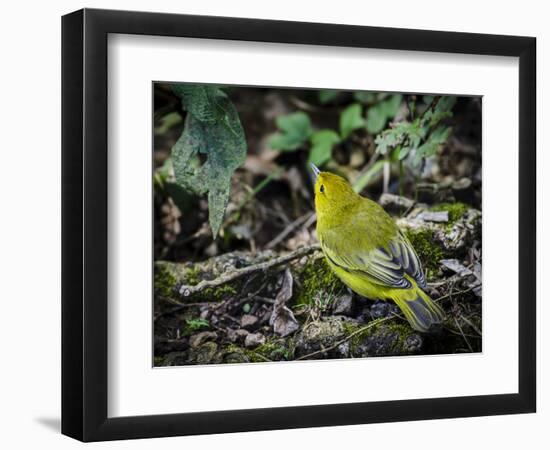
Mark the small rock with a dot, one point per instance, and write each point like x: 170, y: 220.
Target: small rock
x: 253, y: 340
x: 283, y: 321
x: 237, y: 335
x: 343, y: 349
x: 413, y: 343
x: 319, y: 335
x: 381, y: 309
x: 282, y: 318
x: 381, y: 343
x: 205, y: 354
x: 462, y: 233
x: 235, y: 356
x: 434, y: 216
x: 455, y: 266
x: 175, y: 359
x: 343, y: 305
x: 198, y: 339
x: 477, y: 270
x: 395, y: 203
x: 249, y: 321
x: 476, y: 289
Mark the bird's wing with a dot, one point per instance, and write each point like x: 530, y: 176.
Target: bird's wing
x: 403, y: 253
x: 370, y: 254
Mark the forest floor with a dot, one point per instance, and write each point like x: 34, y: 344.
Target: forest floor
x: 262, y: 291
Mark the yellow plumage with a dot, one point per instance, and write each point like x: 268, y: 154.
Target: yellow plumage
x: 367, y: 251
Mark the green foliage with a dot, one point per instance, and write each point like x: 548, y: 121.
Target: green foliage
x: 322, y: 143
x: 381, y: 112
x: 212, y: 128
x: 351, y: 119
x: 456, y: 210
x: 164, y: 180
x: 192, y: 325
x: 421, y: 137
x: 167, y: 122
x: 295, y: 131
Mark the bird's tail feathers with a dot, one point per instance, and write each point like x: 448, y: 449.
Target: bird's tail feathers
x: 421, y: 312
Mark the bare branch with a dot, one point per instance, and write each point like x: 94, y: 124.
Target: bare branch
x: 186, y: 291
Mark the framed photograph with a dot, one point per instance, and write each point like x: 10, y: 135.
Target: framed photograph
x: 274, y: 225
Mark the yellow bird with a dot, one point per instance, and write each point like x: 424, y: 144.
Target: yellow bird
x: 368, y: 252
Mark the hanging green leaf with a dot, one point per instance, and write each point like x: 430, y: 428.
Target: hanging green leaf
x: 376, y: 119
x: 167, y: 122
x: 392, y: 137
x: 295, y: 130
x: 403, y: 152
x: 212, y: 128
x: 351, y: 119
x: 322, y: 143
x: 391, y: 105
x: 380, y: 113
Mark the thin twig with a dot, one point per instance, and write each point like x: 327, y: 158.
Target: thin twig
x: 450, y: 294
x: 347, y: 338
x: 465, y: 338
x: 260, y: 356
x: 287, y: 230
x: 186, y: 291
x: 453, y: 331
x: 269, y: 301
x: 469, y: 322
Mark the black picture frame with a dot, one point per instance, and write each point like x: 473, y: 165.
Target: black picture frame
x: 84, y: 224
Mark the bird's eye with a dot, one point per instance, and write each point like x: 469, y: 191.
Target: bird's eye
x: 322, y: 189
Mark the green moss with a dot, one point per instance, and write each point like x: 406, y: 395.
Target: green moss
x: 193, y: 275
x: 456, y: 210
x: 164, y: 280
x: 219, y: 293
x: 272, y: 350
x: 276, y: 350
x: 158, y: 361
x: 168, y: 276
x: 353, y: 327
x: 233, y: 354
x: 429, y: 252
x: 316, y: 276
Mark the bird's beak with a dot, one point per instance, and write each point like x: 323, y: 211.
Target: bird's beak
x: 315, y: 171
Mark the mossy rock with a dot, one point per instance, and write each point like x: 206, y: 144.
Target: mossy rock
x: 427, y: 247
x: 315, y: 278
x: 234, y: 354
x: 319, y: 337
x: 456, y: 210
x: 385, y: 338
x: 170, y: 276
x: 436, y: 241
x: 207, y: 353
x: 276, y: 350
